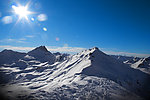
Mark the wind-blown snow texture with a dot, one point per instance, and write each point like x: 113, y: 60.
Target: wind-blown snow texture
x: 89, y: 75
x: 143, y: 65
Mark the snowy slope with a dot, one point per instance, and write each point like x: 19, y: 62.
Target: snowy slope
x: 143, y: 65
x: 106, y: 66
x: 86, y: 75
x: 103, y: 65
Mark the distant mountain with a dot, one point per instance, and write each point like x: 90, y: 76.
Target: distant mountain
x: 42, y: 54
x: 61, y: 56
x: 126, y: 59
x: 9, y: 56
x: 132, y: 61
x: 90, y: 74
x: 143, y: 64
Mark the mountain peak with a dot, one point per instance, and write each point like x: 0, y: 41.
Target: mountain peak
x: 42, y: 54
x: 95, y: 48
x: 96, y: 51
x: 6, y: 50
x: 10, y: 56
x: 43, y: 48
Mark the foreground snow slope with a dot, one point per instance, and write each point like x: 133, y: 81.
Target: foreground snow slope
x: 86, y: 75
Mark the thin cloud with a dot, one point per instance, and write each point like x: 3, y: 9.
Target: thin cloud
x: 21, y: 40
x: 66, y: 49
x: 126, y: 54
x: 7, y: 40
x: 16, y: 48
x: 66, y: 45
x: 7, y: 19
x: 30, y: 36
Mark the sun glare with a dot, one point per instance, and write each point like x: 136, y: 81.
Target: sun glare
x: 22, y: 11
x: 24, y: 15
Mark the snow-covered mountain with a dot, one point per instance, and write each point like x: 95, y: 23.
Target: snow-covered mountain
x: 126, y: 59
x: 143, y: 65
x: 61, y: 56
x: 132, y: 61
x: 88, y: 75
x: 122, y: 58
x: 42, y: 54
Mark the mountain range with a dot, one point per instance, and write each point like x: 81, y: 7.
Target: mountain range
x: 88, y: 75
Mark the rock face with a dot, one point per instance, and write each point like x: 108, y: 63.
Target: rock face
x: 42, y: 54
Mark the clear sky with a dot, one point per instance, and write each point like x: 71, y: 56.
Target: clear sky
x: 113, y: 25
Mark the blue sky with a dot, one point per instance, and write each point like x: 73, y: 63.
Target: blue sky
x: 115, y: 26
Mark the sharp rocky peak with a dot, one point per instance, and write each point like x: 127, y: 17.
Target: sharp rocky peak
x: 42, y: 54
x: 93, y: 49
x: 96, y: 50
x: 41, y: 48
x: 90, y: 53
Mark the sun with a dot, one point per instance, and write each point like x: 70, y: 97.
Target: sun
x: 21, y: 11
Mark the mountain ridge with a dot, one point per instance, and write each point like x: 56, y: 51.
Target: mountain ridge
x: 10, y: 56
x: 89, y: 69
